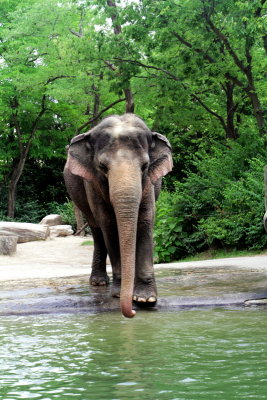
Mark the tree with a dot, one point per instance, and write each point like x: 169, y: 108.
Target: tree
x: 27, y: 108
x: 213, y: 52
x: 44, y: 95
x: 195, y: 70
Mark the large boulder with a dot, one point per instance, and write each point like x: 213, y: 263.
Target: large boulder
x: 25, y: 232
x: 52, y: 220
x: 61, y: 230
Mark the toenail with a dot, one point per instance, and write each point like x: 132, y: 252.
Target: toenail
x: 141, y: 300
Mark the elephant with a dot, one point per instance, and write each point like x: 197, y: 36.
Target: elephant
x: 113, y: 174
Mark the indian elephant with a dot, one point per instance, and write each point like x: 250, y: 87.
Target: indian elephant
x: 113, y: 174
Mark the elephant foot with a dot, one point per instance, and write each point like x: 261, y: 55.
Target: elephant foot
x: 97, y: 279
x: 116, y: 288
x: 145, y: 294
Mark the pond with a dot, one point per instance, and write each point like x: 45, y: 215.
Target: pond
x: 194, y: 354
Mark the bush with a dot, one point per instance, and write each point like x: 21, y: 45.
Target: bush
x: 25, y: 211
x: 238, y: 221
x: 221, y: 205
x: 166, y: 239
x: 65, y: 210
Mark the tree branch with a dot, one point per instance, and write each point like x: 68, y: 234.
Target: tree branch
x: 110, y: 66
x: 59, y: 77
x: 99, y: 114
x: 18, y: 131
x: 264, y: 38
x: 258, y: 15
x: 259, y: 9
x: 197, y: 50
x: 35, y: 123
x: 235, y: 80
x: 14, y: 104
x: 117, y: 31
x: 116, y: 27
x: 226, y: 42
x: 208, y: 58
x: 166, y: 72
x: 219, y: 117
x: 37, y: 56
x: 78, y: 34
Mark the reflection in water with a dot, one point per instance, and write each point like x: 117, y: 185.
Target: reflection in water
x: 190, y: 355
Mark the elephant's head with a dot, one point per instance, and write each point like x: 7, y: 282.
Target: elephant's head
x: 121, y: 153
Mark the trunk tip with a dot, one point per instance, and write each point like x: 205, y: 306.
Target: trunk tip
x: 127, y: 312
x: 130, y: 314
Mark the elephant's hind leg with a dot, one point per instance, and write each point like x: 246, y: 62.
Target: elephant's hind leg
x: 99, y: 276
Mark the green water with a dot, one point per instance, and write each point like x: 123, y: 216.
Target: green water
x: 186, y: 355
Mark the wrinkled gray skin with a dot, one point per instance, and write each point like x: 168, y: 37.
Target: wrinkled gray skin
x: 113, y: 174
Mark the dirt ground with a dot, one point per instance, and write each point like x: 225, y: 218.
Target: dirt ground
x: 61, y: 257
x: 55, y: 257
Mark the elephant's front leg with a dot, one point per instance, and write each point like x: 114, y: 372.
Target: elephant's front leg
x: 99, y: 275
x: 111, y: 238
x: 145, y: 290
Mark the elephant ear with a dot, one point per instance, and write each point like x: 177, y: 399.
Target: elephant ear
x: 80, y: 157
x: 160, y: 157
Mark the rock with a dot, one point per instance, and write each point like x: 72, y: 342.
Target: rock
x: 25, y: 232
x: 52, y: 220
x: 61, y: 230
x: 8, y: 245
x: 256, y: 302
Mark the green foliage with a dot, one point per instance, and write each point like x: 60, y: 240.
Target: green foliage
x: 29, y: 211
x: 238, y: 220
x: 87, y: 243
x: 197, y: 72
x: 166, y: 240
x: 218, y: 206
x: 65, y: 210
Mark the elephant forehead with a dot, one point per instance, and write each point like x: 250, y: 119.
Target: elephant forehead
x: 123, y: 153
x: 121, y: 129
x: 120, y: 126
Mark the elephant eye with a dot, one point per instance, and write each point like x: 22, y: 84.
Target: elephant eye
x: 103, y: 168
x: 144, y: 166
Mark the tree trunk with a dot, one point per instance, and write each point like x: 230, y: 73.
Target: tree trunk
x: 79, y: 220
x: 231, y: 130
x: 257, y: 108
x: 15, y: 177
x: 265, y: 198
x: 117, y: 31
x: 264, y: 38
x: 265, y: 184
x: 129, y: 100
x: 116, y: 27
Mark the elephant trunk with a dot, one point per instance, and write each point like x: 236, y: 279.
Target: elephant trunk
x: 125, y: 194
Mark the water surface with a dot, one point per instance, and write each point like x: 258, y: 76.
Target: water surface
x: 187, y: 355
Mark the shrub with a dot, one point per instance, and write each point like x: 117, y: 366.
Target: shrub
x: 167, y: 229
x: 65, y: 210
x: 238, y: 221
x: 221, y: 205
